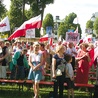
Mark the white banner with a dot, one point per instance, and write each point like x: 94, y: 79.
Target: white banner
x: 4, y: 25
x: 30, y: 33
x: 72, y: 37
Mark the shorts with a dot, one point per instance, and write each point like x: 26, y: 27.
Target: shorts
x: 70, y: 84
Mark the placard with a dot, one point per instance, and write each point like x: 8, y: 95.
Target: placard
x: 72, y: 37
x: 30, y: 33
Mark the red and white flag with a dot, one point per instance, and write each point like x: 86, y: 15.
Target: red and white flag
x: 76, y: 31
x: 34, y: 22
x: 50, y: 41
x: 4, y: 25
x: 44, y: 38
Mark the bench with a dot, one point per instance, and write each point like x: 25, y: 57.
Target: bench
x: 47, y: 83
x: 41, y: 82
x: 92, y: 79
x: 8, y: 73
x: 89, y: 86
x: 77, y: 85
x: 19, y: 82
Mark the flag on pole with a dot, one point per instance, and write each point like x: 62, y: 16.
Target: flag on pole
x: 76, y: 31
x: 4, y: 25
x: 34, y: 22
x: 44, y: 38
x: 50, y: 41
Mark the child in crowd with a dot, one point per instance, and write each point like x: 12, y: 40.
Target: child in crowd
x: 69, y: 75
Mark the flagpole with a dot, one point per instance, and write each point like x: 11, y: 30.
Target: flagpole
x: 41, y: 20
x: 10, y: 32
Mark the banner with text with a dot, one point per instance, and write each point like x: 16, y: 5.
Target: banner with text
x: 30, y: 33
x: 72, y: 37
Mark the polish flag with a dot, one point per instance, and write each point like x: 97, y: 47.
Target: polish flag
x: 4, y: 25
x: 34, y: 22
x: 44, y: 38
x: 50, y: 41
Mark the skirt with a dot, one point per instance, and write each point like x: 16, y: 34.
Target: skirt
x: 35, y: 75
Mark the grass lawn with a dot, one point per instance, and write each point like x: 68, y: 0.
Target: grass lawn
x: 8, y: 91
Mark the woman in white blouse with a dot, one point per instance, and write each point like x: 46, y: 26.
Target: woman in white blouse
x: 35, y: 62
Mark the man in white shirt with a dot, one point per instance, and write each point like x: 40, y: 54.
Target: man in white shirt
x: 73, y: 52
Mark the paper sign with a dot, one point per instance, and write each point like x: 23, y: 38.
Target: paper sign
x: 72, y: 37
x: 30, y: 33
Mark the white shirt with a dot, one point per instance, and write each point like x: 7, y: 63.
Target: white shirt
x: 70, y: 50
x: 35, y: 57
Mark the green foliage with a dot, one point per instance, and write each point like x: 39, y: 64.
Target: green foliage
x: 15, y: 14
x: 37, y: 34
x: 89, y: 24
x: 28, y: 14
x: 62, y: 29
x: 68, y: 24
x: 70, y: 18
x: 48, y: 21
x: 37, y: 6
x: 2, y: 10
x: 34, y: 9
x: 96, y: 26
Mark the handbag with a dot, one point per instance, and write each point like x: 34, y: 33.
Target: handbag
x: 58, y: 72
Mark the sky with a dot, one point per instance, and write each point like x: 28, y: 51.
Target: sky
x: 83, y: 8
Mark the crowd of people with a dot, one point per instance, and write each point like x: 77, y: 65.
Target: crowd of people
x: 31, y: 60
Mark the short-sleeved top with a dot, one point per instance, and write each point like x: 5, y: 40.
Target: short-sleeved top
x: 59, y: 60
x: 69, y: 69
x: 69, y: 51
x: 36, y: 58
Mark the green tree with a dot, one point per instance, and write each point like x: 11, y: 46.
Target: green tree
x: 28, y: 14
x: 2, y: 9
x: 70, y: 18
x: 68, y: 24
x: 48, y: 21
x: 18, y: 14
x: 37, y: 7
x: 96, y: 26
x: 89, y: 24
x: 15, y: 14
